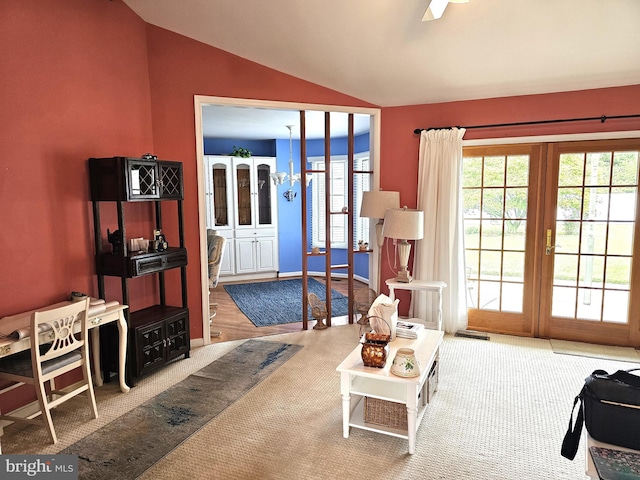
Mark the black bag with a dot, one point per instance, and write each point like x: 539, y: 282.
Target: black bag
x: 610, y: 409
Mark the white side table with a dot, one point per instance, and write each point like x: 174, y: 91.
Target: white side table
x: 360, y: 381
x: 423, y: 286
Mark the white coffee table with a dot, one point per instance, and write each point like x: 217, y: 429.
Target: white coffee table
x: 380, y: 383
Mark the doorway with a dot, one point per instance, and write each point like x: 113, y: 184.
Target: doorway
x: 201, y: 102
x: 549, y: 240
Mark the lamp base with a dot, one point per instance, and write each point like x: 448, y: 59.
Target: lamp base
x: 404, y: 248
x: 404, y: 277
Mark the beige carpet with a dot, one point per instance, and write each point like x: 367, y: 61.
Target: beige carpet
x: 500, y: 412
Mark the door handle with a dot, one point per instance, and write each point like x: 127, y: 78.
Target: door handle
x: 549, y: 247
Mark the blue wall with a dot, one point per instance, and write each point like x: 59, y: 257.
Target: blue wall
x: 224, y: 146
x: 290, y: 213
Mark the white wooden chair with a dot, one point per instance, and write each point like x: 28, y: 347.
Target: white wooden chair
x: 63, y: 351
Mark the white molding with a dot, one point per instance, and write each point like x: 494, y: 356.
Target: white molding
x: 569, y: 137
x: 201, y: 100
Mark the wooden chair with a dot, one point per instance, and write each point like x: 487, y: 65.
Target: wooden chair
x: 63, y: 351
x: 362, y: 300
x: 318, y: 311
x: 215, y: 247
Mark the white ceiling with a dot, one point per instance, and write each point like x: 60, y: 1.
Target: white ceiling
x: 381, y: 51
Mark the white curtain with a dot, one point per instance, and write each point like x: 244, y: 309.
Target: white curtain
x: 440, y: 254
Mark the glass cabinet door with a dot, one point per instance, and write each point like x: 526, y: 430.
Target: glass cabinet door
x: 244, y: 190
x: 143, y: 179
x: 218, y: 192
x: 264, y: 194
x: 221, y: 189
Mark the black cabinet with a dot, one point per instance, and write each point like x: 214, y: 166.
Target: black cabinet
x: 159, y: 333
x: 135, y: 179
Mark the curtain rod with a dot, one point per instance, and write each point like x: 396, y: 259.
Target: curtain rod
x: 602, y: 118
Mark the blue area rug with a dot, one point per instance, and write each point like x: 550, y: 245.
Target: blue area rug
x: 132, y: 443
x: 279, y: 302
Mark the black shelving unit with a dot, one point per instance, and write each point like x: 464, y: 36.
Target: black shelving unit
x: 159, y: 333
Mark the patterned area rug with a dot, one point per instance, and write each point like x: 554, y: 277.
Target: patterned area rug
x: 131, y: 444
x: 279, y: 302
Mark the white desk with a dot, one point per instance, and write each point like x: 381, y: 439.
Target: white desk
x: 380, y: 383
x: 422, y: 286
x: 113, y: 314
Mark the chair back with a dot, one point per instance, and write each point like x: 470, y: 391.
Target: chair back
x: 65, y: 328
x: 318, y: 307
x: 215, y: 247
x: 362, y: 300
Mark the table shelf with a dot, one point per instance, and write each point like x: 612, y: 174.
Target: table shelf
x: 356, y: 420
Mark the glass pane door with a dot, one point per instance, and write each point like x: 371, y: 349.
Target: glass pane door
x: 221, y: 189
x: 590, y: 241
x: 264, y: 194
x: 243, y: 192
x: 497, y: 185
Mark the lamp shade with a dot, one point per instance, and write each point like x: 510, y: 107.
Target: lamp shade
x: 376, y: 203
x: 404, y: 223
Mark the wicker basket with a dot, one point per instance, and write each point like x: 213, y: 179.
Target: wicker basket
x: 387, y: 414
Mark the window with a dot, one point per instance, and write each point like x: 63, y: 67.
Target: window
x: 338, y: 199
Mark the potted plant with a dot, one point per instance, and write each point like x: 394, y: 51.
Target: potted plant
x: 240, y: 152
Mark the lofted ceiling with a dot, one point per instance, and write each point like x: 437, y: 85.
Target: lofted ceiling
x: 381, y: 51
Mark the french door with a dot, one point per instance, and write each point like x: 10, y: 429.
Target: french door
x: 549, y: 240
x: 590, y: 268
x: 501, y: 192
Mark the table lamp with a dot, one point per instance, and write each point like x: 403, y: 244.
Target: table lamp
x: 375, y: 204
x: 404, y: 224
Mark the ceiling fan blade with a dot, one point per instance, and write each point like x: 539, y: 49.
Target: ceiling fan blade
x: 436, y: 8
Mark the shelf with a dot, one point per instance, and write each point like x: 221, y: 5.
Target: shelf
x: 338, y: 267
x: 159, y: 333
x: 142, y: 263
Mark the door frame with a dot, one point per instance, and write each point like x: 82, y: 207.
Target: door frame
x: 202, y: 100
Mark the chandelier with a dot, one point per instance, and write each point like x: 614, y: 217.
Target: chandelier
x: 280, y: 177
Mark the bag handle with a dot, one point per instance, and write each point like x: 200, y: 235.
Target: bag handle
x: 625, y: 376
x: 571, y: 439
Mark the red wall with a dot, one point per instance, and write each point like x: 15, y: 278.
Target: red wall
x: 73, y: 84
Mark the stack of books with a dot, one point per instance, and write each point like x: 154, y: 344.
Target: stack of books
x: 406, y: 329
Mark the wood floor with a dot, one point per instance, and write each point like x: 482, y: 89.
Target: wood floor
x: 234, y: 325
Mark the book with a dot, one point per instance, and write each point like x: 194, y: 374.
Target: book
x: 406, y: 329
x: 614, y: 464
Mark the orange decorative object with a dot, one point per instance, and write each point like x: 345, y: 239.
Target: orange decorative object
x: 375, y: 349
